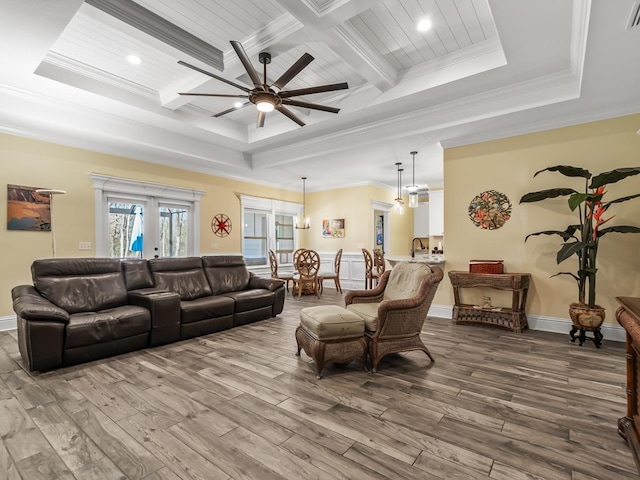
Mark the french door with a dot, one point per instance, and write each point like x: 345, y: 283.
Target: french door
x: 141, y: 223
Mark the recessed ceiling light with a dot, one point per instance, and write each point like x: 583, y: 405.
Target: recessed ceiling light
x: 423, y: 25
x: 134, y: 59
x: 237, y: 104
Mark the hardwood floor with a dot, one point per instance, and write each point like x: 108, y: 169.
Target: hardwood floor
x: 240, y: 405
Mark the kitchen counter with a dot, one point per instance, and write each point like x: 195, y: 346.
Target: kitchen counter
x: 430, y: 259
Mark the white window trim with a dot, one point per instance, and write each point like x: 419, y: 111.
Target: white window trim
x: 157, y: 193
x: 272, y: 207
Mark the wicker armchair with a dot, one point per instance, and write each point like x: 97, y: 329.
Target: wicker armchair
x: 395, y: 310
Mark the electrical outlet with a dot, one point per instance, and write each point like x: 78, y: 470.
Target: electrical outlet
x: 84, y: 245
x: 214, y: 246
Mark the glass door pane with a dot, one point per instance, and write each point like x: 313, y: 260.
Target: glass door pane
x: 126, y: 227
x: 174, y: 222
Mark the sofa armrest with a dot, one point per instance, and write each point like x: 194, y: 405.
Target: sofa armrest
x: 164, y: 307
x: 30, y: 305
x: 271, y: 284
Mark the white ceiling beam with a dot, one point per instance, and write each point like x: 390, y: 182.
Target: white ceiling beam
x: 328, y: 19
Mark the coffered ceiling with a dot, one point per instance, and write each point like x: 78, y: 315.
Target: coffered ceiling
x: 485, y: 69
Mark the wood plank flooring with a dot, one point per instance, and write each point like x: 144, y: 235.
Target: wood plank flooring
x: 240, y: 405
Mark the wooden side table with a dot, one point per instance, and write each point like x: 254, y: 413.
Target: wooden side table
x: 628, y: 315
x: 513, y: 318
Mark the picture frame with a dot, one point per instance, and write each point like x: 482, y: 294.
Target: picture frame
x: 333, y: 228
x: 27, y: 209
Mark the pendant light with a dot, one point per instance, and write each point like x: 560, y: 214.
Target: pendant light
x: 303, y: 223
x: 399, y: 203
x: 413, y: 188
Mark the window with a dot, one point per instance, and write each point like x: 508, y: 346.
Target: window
x: 268, y: 225
x: 254, y: 238
x: 144, y: 220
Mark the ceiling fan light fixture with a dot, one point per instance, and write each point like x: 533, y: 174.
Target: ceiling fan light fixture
x: 265, y: 106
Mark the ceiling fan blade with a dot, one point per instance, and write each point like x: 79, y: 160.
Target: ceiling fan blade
x: 261, y: 117
x: 242, y: 55
x: 228, y: 82
x: 308, y: 91
x: 225, y: 95
x: 293, y: 70
x: 314, y: 106
x: 232, y: 109
x: 288, y: 113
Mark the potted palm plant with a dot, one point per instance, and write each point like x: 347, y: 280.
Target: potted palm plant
x: 582, y: 238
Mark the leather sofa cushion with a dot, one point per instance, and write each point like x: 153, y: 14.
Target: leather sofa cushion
x: 205, y: 308
x: 405, y: 279
x: 226, y: 273
x: 136, y: 274
x: 80, y: 284
x: 89, y: 328
x: 182, y: 275
x: 251, y: 299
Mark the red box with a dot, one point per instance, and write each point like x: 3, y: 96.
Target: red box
x: 486, y: 266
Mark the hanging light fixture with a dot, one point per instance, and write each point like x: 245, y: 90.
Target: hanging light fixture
x: 413, y: 188
x: 399, y: 203
x: 304, y: 222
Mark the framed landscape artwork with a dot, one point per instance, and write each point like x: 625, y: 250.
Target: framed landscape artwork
x: 27, y: 209
x: 333, y: 228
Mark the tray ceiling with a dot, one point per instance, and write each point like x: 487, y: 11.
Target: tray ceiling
x: 408, y: 90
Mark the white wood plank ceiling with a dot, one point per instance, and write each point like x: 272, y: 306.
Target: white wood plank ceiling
x: 95, y: 46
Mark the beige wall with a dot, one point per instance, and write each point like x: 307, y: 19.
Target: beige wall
x: 355, y: 206
x: 40, y: 164
x: 508, y: 166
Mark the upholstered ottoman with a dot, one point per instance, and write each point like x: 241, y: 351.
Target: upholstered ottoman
x: 329, y: 333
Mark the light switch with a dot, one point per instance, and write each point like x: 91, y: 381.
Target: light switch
x: 84, y: 245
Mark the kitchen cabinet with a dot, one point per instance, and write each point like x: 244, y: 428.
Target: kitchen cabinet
x: 436, y: 213
x: 421, y: 220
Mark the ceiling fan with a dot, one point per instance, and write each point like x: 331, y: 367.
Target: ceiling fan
x: 269, y: 97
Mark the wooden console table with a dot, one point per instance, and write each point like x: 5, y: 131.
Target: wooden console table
x: 628, y: 315
x: 513, y: 318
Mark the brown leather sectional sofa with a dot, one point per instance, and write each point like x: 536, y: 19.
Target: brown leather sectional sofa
x: 83, y: 309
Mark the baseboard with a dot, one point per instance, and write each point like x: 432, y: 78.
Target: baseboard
x: 611, y: 332
x: 9, y: 322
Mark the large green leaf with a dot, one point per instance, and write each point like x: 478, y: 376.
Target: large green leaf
x: 621, y: 199
x: 577, y: 199
x: 544, y: 194
x: 565, y: 235
x: 567, y: 171
x: 618, y: 229
x: 569, y: 249
x: 613, y: 176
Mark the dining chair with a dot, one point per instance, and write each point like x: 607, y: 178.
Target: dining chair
x: 370, y: 273
x: 308, y: 266
x: 378, y: 262
x: 273, y: 264
x: 332, y: 274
